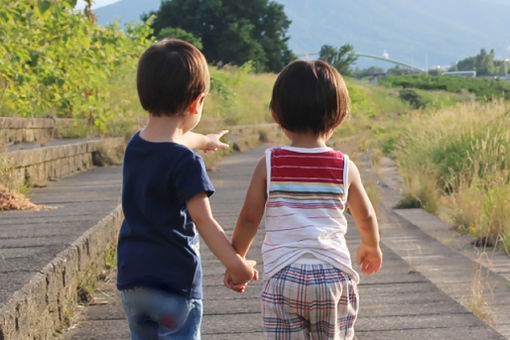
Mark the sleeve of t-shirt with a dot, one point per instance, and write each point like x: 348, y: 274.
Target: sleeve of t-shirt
x: 191, y: 177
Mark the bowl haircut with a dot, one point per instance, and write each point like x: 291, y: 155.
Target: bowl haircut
x: 171, y: 74
x: 310, y: 96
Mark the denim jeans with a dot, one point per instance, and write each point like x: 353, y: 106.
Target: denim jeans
x: 157, y: 314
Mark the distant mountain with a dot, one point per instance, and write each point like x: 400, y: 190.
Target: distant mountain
x: 433, y: 32
x: 126, y: 10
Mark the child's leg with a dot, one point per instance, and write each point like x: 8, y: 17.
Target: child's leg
x: 283, y: 308
x: 335, y: 300
x: 157, y: 314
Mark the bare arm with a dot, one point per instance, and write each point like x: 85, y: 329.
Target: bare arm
x: 249, y: 219
x: 200, y: 210
x: 369, y: 252
x: 210, y: 142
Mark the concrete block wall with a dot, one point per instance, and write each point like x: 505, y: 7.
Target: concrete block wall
x: 40, y: 165
x: 46, y: 302
x: 18, y: 130
x: 28, y: 130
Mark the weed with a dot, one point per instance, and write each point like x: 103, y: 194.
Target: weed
x: 479, y: 293
x: 263, y: 138
x: 110, y: 257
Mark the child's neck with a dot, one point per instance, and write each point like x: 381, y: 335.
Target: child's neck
x: 306, y: 140
x: 163, y: 129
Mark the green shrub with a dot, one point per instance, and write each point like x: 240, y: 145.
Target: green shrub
x: 413, y: 98
x: 56, y: 62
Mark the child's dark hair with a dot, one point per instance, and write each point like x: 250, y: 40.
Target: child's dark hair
x: 171, y: 74
x: 310, y: 96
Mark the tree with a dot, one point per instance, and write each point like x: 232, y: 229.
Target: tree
x: 483, y: 63
x: 341, y: 58
x: 173, y: 32
x: 232, y: 32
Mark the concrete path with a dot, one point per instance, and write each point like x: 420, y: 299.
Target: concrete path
x: 397, y: 303
x: 29, y: 240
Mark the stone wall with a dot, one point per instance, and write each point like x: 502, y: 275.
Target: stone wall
x: 28, y: 130
x: 38, y: 166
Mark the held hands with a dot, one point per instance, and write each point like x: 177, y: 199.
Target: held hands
x: 213, y: 141
x: 369, y: 258
x: 237, y: 283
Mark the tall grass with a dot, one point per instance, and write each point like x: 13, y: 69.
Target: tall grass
x: 456, y: 162
x: 238, y: 96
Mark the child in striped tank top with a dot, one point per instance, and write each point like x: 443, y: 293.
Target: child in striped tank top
x: 310, y: 286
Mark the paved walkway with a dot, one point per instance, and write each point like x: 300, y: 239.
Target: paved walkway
x: 29, y: 240
x: 397, y: 303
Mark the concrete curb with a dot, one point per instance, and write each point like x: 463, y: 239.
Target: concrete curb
x: 39, y: 165
x: 445, y: 257
x: 46, y: 302
x: 494, y: 260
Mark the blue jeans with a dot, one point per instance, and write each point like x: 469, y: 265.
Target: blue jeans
x: 157, y: 314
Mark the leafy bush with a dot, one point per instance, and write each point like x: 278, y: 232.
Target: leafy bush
x: 178, y: 33
x: 56, y: 62
x: 413, y: 98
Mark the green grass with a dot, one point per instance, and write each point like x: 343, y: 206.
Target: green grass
x: 238, y: 96
x: 459, y: 159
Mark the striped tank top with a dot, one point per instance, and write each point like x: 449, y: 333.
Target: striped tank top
x: 307, y: 195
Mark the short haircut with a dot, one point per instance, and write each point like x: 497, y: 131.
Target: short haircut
x: 310, y: 96
x: 171, y: 74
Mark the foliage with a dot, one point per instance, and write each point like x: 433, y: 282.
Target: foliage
x: 483, y: 63
x: 54, y: 61
x: 372, y: 113
x: 459, y: 158
x: 482, y: 88
x: 238, y: 96
x: 232, y: 32
x: 413, y: 98
x: 341, y: 58
x: 437, y: 100
x: 177, y: 33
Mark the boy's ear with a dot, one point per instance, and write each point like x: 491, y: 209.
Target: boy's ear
x: 196, y: 105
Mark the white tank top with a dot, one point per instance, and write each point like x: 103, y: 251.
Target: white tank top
x: 304, y: 219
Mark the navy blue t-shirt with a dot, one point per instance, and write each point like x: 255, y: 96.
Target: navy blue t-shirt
x: 158, y: 242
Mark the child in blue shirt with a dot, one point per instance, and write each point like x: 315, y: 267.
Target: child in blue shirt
x: 165, y: 199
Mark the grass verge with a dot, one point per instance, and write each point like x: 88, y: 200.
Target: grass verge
x: 456, y: 163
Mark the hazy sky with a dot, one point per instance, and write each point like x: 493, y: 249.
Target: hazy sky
x: 97, y: 3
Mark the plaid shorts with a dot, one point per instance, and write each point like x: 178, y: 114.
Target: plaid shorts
x: 304, y: 301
